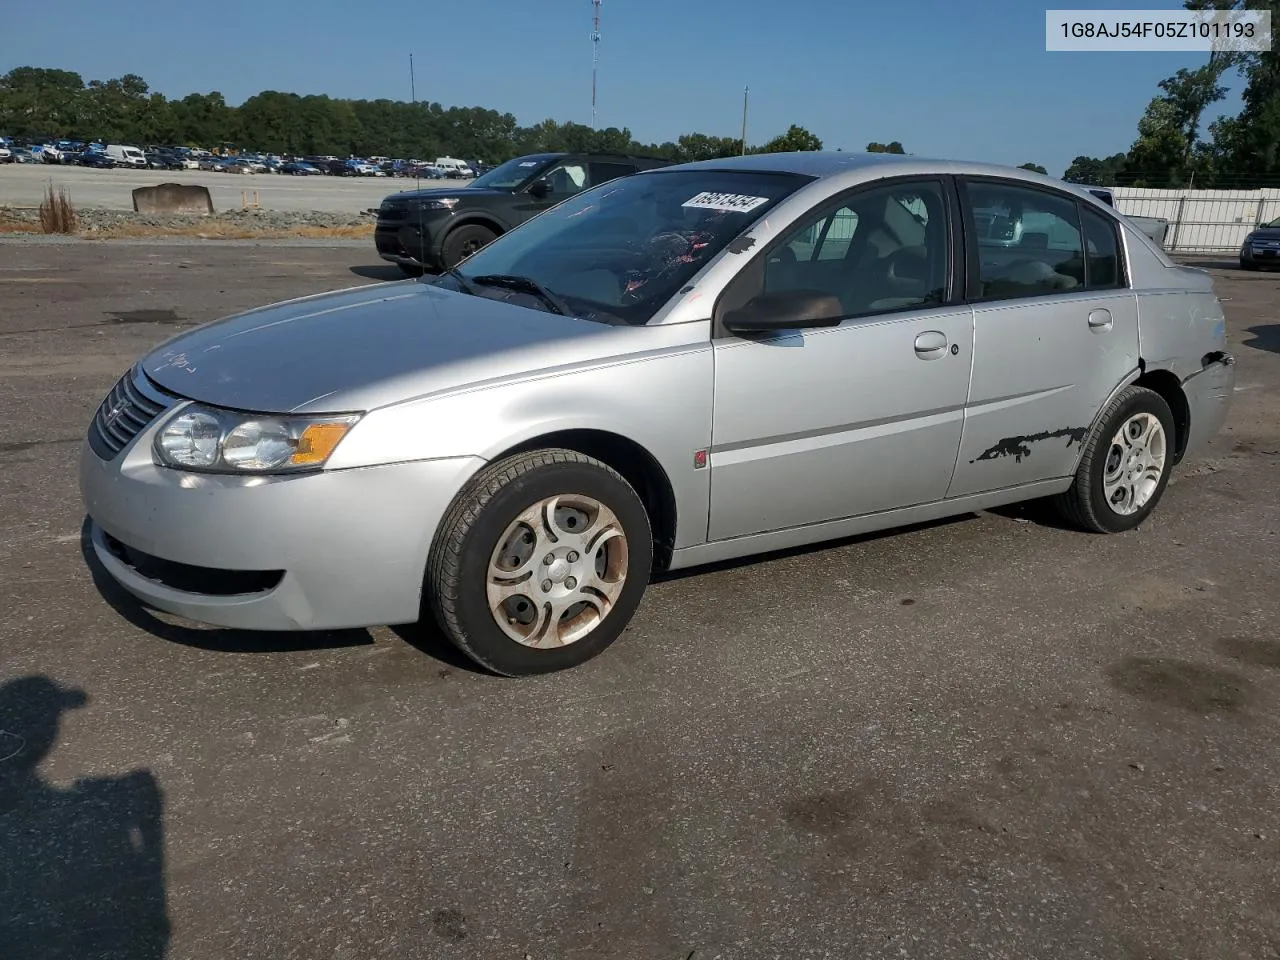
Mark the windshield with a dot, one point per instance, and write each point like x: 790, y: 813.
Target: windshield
x: 511, y: 174
x: 618, y: 252
x: 1274, y: 223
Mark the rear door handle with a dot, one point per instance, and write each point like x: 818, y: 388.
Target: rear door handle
x: 1101, y: 319
x: 931, y: 345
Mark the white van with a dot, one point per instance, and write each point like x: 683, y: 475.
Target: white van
x: 126, y: 156
x: 452, y: 167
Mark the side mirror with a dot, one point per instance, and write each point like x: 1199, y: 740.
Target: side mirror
x: 785, y: 310
x: 540, y: 189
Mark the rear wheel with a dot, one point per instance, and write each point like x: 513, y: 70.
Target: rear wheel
x: 1125, y: 466
x: 463, y: 242
x: 540, y: 563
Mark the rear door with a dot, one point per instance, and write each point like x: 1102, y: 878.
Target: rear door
x: 1055, y: 331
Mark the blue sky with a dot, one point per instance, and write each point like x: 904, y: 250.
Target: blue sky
x: 949, y: 79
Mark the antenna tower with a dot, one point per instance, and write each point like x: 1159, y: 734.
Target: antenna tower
x: 595, y: 55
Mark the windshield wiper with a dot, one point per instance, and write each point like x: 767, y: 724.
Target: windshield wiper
x: 525, y: 285
x: 463, y: 284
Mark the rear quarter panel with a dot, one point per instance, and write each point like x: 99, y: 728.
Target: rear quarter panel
x: 1182, y: 329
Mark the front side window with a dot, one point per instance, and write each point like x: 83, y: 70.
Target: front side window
x: 884, y: 249
x: 566, y: 179
x: 618, y: 252
x: 1028, y: 241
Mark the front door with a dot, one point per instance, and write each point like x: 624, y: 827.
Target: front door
x: 826, y: 423
x: 1055, y: 331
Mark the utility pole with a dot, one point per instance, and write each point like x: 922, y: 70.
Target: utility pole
x: 595, y: 55
x: 413, y: 93
x: 746, y: 91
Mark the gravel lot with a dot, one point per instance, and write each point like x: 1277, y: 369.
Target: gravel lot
x: 23, y: 185
x: 984, y: 738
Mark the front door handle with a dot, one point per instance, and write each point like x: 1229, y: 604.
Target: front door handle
x: 1101, y: 320
x: 931, y: 345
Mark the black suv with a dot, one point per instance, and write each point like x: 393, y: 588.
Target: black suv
x: 436, y: 229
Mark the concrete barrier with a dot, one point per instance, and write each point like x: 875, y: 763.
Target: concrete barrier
x: 173, y: 198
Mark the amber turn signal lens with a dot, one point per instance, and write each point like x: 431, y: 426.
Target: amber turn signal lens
x: 318, y: 441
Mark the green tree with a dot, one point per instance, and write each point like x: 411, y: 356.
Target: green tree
x: 796, y: 138
x: 41, y: 102
x: 1033, y: 167
x: 894, y: 147
x: 1095, y: 172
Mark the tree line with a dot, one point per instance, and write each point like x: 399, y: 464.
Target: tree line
x: 59, y: 104
x: 1173, y: 149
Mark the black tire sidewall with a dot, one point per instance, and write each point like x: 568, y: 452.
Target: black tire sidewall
x: 451, y: 252
x: 487, y: 643
x: 1145, y: 401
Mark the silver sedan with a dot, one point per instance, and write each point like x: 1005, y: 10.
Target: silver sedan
x: 687, y: 365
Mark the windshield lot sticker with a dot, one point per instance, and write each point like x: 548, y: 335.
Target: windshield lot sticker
x: 529, y: 163
x: 728, y: 202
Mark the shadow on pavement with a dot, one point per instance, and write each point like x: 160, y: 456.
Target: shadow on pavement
x: 218, y: 639
x: 1266, y: 336
x: 81, y: 867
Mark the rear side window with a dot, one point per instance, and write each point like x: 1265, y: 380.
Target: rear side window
x: 604, y: 172
x: 1028, y: 241
x: 1102, y: 250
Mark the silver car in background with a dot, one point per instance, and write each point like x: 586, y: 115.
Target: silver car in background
x: 692, y: 364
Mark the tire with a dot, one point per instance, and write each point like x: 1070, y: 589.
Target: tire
x: 1247, y: 265
x: 1087, y: 504
x: 464, y: 241
x: 486, y: 521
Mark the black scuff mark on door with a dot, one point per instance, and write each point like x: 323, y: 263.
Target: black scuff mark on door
x: 742, y: 244
x: 1019, y: 447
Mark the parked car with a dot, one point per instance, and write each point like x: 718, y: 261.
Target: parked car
x: 98, y: 160
x: 1157, y: 228
x: 6, y: 155
x: 453, y: 168
x: 1261, y: 247
x: 125, y: 155
x: 22, y: 155
x: 675, y: 368
x: 299, y: 169
x: 157, y: 160
x: 437, y: 229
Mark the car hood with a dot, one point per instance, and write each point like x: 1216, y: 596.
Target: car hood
x: 1265, y: 233
x: 367, y: 347
x: 462, y: 192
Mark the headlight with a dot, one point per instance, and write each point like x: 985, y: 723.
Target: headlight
x: 438, y: 203
x: 223, y: 441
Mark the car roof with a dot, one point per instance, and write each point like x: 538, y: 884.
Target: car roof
x: 828, y: 164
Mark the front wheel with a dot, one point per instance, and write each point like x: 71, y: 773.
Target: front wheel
x: 1125, y: 466
x: 463, y: 241
x: 540, y: 563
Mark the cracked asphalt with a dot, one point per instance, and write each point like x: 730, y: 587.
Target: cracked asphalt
x: 990, y: 737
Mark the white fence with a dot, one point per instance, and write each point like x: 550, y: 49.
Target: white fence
x: 1201, y: 221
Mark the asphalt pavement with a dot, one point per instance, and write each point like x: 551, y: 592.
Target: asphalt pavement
x: 990, y: 737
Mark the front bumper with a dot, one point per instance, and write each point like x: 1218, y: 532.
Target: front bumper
x: 334, y: 549
x: 1251, y: 253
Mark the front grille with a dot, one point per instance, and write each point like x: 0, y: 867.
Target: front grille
x: 130, y: 406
